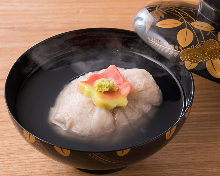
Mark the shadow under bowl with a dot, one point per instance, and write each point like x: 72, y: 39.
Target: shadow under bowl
x: 38, y: 76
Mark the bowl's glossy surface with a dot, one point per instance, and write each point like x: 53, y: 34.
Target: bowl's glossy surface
x: 89, y: 50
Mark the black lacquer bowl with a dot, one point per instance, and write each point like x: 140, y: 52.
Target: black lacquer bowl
x: 39, y: 75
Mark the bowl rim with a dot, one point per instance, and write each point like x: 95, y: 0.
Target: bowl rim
x: 182, y: 114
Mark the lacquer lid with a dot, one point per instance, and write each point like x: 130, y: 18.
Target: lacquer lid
x: 184, y: 34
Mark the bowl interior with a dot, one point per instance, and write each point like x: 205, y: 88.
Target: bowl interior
x: 40, y: 74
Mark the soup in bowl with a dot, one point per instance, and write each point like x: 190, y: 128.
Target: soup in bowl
x: 38, y: 77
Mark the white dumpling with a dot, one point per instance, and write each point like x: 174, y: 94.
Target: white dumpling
x: 75, y: 112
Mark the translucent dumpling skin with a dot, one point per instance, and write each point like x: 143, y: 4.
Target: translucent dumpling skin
x: 77, y: 113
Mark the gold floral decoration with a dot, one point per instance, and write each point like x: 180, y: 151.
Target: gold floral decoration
x: 29, y: 137
x: 207, y: 50
x: 169, y: 49
x: 189, y: 65
x: 62, y: 151
x: 103, y: 158
x: 170, y: 133
x: 168, y: 23
x: 213, y: 67
x: 202, y: 26
x: 122, y: 153
x: 157, y: 14
x: 185, y: 37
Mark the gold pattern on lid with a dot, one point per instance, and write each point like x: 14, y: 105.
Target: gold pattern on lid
x: 197, y: 40
x: 202, y: 26
x: 209, y: 50
x: 213, y: 67
x: 157, y: 14
x: 122, y: 153
x: 29, y: 137
x: 184, y: 37
x: 189, y: 65
x: 196, y: 43
x: 62, y: 151
x: 169, y: 49
x: 170, y: 133
x: 168, y: 23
